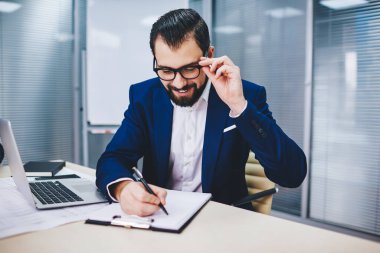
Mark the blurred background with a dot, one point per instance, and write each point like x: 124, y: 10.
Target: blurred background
x: 66, y: 67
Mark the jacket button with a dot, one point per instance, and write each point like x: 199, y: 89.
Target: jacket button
x: 262, y: 133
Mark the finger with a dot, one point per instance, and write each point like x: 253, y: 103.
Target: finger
x: 160, y: 192
x: 227, y: 60
x: 205, y: 61
x: 140, y: 209
x: 145, y: 209
x: 211, y: 62
x: 142, y: 195
x: 132, y: 205
x: 218, y: 62
x: 224, y: 70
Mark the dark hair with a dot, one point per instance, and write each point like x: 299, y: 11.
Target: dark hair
x: 177, y: 25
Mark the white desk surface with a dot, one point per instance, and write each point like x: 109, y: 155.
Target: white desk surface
x: 217, y: 228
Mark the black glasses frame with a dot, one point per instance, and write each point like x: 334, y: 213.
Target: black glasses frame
x: 176, y: 70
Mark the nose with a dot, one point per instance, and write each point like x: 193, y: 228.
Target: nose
x: 179, y: 82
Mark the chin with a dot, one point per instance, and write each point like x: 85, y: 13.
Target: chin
x: 184, y: 102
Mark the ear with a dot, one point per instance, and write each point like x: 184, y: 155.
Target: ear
x: 211, y: 50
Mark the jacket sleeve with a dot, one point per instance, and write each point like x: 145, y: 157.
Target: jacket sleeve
x: 124, y: 150
x: 283, y: 160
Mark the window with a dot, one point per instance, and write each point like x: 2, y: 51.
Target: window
x: 345, y: 165
x: 36, y: 91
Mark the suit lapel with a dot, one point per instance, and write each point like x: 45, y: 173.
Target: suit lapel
x: 163, y: 118
x: 217, y: 112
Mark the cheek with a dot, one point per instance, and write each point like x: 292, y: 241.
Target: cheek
x: 200, y: 80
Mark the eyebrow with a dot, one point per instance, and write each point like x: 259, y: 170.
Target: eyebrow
x: 184, y: 66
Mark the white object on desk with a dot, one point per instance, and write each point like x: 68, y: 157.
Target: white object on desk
x: 181, y: 206
x: 18, y: 216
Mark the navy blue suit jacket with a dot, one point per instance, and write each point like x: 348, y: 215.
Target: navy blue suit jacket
x: 146, y: 132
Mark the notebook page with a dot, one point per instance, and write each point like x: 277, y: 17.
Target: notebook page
x: 181, y: 206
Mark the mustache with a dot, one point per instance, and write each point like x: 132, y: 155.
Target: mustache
x: 186, y: 87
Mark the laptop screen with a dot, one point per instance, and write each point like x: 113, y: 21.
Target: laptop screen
x: 14, y: 159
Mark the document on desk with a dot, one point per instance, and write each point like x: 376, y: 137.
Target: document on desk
x: 181, y: 206
x: 17, y: 216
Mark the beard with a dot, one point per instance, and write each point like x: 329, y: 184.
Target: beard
x: 186, y: 101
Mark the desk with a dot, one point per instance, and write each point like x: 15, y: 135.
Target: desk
x: 217, y: 228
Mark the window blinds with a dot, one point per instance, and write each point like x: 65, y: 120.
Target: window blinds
x: 36, y: 77
x: 345, y: 167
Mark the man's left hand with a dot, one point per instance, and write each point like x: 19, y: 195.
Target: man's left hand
x: 225, y: 76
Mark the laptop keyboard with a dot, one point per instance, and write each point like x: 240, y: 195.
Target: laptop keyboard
x: 53, y: 192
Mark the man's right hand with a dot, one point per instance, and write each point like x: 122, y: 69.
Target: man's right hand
x: 134, y: 199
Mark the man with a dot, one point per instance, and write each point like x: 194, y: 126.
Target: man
x: 194, y: 125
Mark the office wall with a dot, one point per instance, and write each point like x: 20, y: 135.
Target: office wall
x: 36, y: 91
x: 118, y: 53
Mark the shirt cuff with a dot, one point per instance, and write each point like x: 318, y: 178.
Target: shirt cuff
x: 237, y: 115
x: 114, y: 182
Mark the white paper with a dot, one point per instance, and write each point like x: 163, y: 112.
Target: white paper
x: 17, y: 216
x: 181, y: 206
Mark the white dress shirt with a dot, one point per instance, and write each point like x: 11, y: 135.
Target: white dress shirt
x: 185, y: 160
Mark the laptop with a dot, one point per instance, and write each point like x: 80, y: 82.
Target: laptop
x: 46, y: 194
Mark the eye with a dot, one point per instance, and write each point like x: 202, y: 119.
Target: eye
x: 166, y: 71
x: 189, y: 69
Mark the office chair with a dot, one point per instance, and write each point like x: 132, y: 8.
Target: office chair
x: 260, y: 188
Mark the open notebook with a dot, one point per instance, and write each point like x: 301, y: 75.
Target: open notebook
x: 181, y: 206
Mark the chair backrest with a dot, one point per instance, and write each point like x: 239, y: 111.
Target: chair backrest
x: 257, y: 182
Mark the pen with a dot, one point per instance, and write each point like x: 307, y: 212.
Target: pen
x: 137, y: 175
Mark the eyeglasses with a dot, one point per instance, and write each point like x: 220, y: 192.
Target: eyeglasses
x: 190, y: 71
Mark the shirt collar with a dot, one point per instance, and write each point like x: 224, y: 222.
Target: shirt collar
x: 206, y: 91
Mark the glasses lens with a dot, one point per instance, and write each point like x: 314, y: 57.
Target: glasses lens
x: 166, y: 74
x: 190, y: 72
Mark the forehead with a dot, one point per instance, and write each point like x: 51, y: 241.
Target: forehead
x: 188, y: 52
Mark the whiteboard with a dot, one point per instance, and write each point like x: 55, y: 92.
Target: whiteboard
x: 118, y: 53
